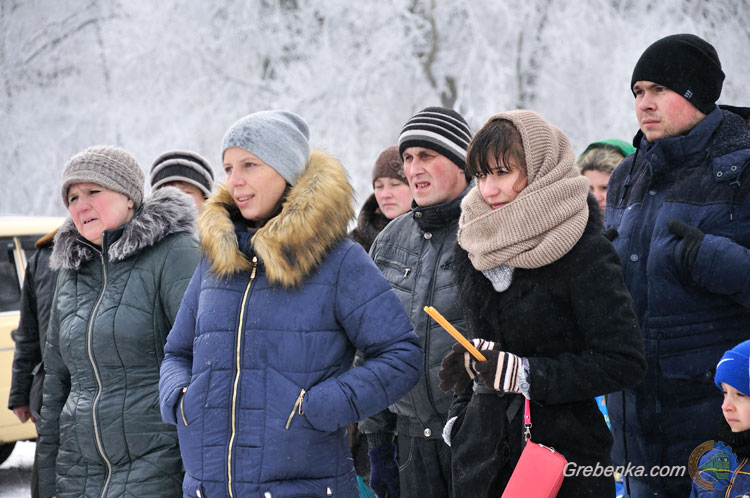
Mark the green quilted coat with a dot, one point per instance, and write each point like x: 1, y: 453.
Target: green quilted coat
x: 101, y: 433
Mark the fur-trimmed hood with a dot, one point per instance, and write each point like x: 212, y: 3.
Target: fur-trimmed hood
x: 167, y: 211
x: 291, y: 245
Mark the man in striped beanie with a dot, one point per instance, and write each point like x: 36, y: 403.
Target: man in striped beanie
x: 188, y: 171
x: 414, y: 252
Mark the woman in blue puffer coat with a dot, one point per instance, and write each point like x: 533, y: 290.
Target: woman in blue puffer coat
x: 257, y: 372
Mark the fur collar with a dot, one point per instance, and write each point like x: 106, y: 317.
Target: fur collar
x: 291, y: 245
x: 167, y: 211
x: 370, y: 223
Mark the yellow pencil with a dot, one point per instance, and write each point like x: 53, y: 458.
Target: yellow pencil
x: 435, y: 314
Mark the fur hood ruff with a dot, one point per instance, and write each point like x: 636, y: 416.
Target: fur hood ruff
x: 167, y: 211
x: 291, y: 245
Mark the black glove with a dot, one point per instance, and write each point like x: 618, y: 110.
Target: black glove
x: 457, y: 369
x: 610, y: 234
x: 692, y: 238
x: 384, y: 471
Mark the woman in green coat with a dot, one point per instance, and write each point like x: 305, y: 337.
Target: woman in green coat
x: 123, y: 267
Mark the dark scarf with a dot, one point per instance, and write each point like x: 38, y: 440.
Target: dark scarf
x: 431, y: 218
x: 738, y: 441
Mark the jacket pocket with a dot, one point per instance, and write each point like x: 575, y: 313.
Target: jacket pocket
x: 192, y: 486
x: 35, y: 395
x: 400, y: 275
x: 190, y: 413
x: 287, y: 450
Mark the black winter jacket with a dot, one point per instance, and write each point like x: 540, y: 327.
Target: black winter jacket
x: 573, y: 320
x: 36, y: 299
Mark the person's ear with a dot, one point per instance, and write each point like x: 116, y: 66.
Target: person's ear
x: 130, y: 203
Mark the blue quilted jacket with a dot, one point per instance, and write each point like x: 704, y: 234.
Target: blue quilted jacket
x: 268, y: 316
x: 700, y: 179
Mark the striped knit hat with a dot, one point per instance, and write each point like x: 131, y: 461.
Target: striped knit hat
x: 440, y: 129
x: 182, y: 166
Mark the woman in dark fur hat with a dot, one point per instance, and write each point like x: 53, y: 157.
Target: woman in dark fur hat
x: 390, y: 199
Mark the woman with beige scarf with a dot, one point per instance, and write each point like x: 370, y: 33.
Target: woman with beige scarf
x: 545, y: 301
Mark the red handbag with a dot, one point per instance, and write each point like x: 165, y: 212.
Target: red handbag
x: 539, y: 472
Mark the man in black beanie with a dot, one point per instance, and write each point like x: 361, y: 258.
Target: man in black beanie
x: 414, y: 252
x: 680, y: 206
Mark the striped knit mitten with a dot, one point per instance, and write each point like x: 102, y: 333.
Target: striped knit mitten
x: 500, y: 372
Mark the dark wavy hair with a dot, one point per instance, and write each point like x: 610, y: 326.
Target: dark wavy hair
x: 498, y: 139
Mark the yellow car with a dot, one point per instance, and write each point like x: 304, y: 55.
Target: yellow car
x: 17, y: 237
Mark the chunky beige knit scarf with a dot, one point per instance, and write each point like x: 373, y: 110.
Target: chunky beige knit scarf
x: 547, y: 218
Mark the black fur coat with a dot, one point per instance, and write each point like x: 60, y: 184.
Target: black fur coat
x: 573, y: 321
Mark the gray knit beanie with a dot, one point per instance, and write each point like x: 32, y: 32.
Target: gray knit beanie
x: 106, y: 165
x: 278, y: 138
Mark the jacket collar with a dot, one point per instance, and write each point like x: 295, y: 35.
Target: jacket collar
x: 430, y: 218
x: 684, y: 150
x: 167, y: 211
x: 313, y: 218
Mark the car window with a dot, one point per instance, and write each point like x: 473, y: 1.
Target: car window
x: 10, y: 290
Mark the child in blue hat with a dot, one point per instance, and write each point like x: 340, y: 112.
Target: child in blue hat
x: 724, y: 470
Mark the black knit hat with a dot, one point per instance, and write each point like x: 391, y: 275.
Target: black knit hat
x: 182, y: 166
x: 687, y: 65
x: 440, y: 129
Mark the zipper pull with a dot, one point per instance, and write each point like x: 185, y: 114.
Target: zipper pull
x: 182, y: 409
x: 255, y: 265
x: 296, y: 408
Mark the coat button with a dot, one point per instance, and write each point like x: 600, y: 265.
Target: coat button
x: 267, y: 494
x: 198, y: 493
x: 427, y: 235
x: 633, y: 258
x: 329, y: 492
x: 418, y: 214
x: 427, y: 432
x: 652, y: 192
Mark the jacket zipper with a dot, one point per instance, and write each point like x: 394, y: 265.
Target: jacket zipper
x: 89, y: 346
x: 734, y: 476
x: 426, y: 364
x: 237, y: 375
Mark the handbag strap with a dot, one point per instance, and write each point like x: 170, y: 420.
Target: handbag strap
x: 526, y: 420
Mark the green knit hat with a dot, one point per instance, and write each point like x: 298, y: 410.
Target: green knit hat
x: 624, y: 147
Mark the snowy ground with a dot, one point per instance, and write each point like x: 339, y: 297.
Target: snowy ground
x: 15, y: 472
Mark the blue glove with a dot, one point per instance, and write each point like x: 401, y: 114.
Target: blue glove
x: 384, y: 471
